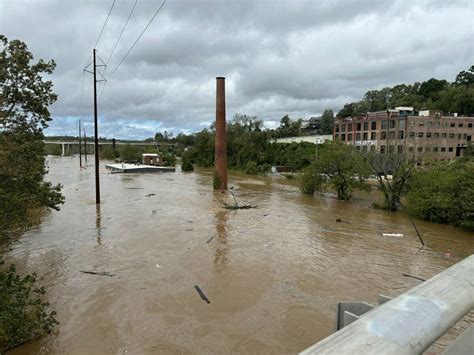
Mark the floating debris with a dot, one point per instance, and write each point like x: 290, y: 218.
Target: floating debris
x: 210, y: 240
x: 100, y: 273
x: 203, y: 296
x: 397, y: 235
x: 150, y: 195
x: 414, y: 277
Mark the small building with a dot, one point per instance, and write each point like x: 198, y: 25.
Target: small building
x: 316, y: 139
x: 152, y: 159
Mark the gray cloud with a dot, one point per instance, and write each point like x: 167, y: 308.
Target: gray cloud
x: 279, y: 57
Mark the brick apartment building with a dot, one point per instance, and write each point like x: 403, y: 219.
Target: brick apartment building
x: 405, y: 130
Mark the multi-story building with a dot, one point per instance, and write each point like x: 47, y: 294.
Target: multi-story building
x: 405, y: 130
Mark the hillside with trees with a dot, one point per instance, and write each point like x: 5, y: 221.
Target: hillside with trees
x: 457, y: 96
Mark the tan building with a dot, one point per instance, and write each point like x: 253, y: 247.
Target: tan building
x: 405, y: 130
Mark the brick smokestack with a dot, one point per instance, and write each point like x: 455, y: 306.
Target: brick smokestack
x: 221, y: 137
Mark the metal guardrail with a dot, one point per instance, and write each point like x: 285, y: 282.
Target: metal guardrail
x: 411, y: 322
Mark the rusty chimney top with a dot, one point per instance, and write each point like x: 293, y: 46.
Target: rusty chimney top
x: 220, y: 179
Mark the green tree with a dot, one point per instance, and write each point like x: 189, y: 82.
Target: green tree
x: 465, y: 77
x: 444, y: 193
x: 24, y: 113
x: 337, y: 166
x: 130, y: 153
x: 327, y: 121
x: 25, y: 98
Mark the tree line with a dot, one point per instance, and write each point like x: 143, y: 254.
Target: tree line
x: 454, y: 97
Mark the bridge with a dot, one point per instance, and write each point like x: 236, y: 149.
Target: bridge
x: 66, y: 145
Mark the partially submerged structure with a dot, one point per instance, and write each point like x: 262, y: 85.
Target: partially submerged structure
x: 152, y: 163
x: 152, y: 159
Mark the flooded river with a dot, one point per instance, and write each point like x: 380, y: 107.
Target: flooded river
x: 273, y: 274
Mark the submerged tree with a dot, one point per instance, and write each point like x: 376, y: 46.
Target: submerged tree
x: 393, y: 173
x: 337, y: 166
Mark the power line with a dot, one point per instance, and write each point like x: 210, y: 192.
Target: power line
x: 103, y: 26
x: 123, y: 30
x: 138, y: 38
x: 115, y: 46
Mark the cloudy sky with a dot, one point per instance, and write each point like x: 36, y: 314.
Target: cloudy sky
x: 291, y: 57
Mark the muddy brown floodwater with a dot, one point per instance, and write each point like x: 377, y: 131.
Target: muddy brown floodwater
x: 273, y: 274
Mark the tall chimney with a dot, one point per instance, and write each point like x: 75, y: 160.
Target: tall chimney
x: 220, y: 178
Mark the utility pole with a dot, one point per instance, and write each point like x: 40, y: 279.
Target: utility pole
x: 85, y: 148
x: 80, y: 151
x: 96, y: 135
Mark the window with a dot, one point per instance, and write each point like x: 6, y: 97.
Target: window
x: 400, y: 134
x: 373, y: 125
x: 337, y: 128
x: 366, y: 136
x: 422, y: 123
x: 391, y: 135
x: 420, y: 134
x: 464, y: 135
x: 410, y: 149
x: 391, y: 124
x: 401, y: 124
x: 364, y: 149
x: 452, y: 124
x: 358, y: 126
x: 358, y: 148
x: 343, y: 128
x: 427, y: 149
x: 420, y: 149
x: 435, y: 149
x: 357, y: 136
x: 459, y: 135
x: 384, y: 124
x: 460, y: 125
x: 366, y: 126
x: 451, y: 135
x: 429, y: 123
x: 391, y: 148
x: 349, y: 127
x: 382, y: 149
x: 412, y: 123
x: 373, y: 136
x: 437, y: 124
x: 349, y: 137
x: 443, y: 149
x: 436, y: 135
x: 450, y: 149
x: 428, y: 134
x: 372, y: 148
x: 443, y: 135
x: 469, y: 125
x: 343, y: 137
x: 412, y: 134
x: 400, y: 149
x: 383, y: 135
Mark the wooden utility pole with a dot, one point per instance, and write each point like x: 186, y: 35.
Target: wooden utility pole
x: 85, y: 148
x: 221, y: 137
x: 96, y: 135
x: 80, y: 151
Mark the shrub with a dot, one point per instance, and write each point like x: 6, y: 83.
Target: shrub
x: 24, y: 315
x: 108, y: 153
x: 187, y: 165
x: 251, y: 168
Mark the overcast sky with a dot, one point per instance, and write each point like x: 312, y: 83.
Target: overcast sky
x: 279, y: 57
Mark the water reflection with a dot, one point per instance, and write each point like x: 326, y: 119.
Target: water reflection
x: 222, y: 249
x: 98, y: 224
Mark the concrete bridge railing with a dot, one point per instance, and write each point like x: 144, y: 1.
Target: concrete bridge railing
x: 411, y: 322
